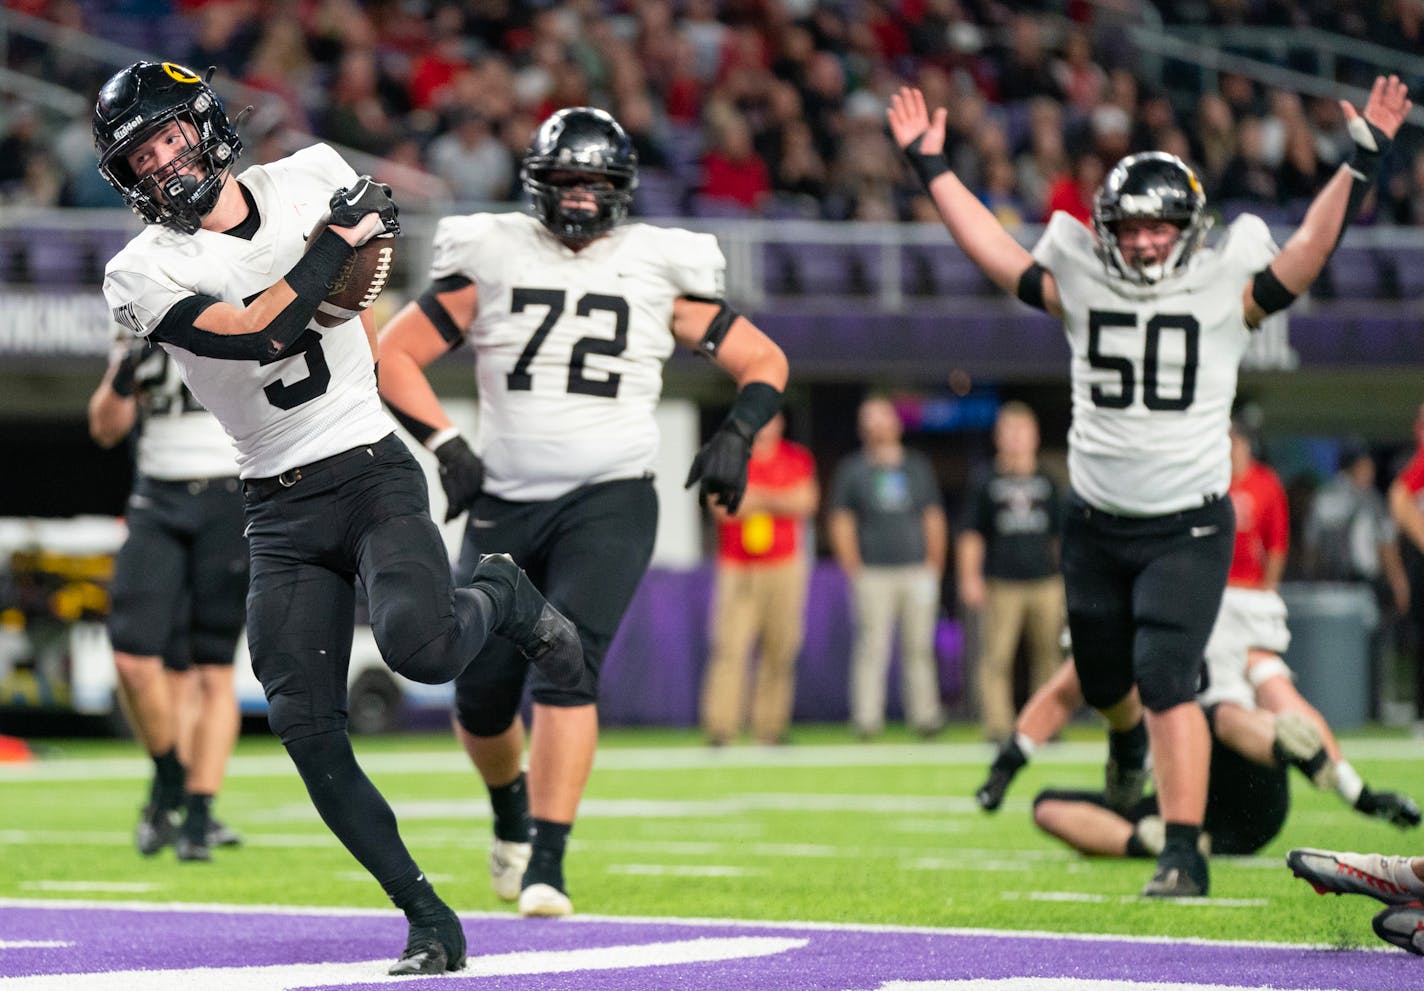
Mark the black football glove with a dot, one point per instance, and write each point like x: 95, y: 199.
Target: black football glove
x: 721, y: 465
x: 365, y: 196
x: 462, y: 475
x: 1394, y: 808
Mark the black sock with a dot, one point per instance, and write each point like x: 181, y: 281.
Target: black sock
x: 199, y: 814
x: 511, y: 810
x: 1181, y: 839
x: 168, y: 774
x: 1135, y: 846
x: 1010, y: 757
x: 1129, y: 747
x: 546, y: 864
x: 416, y: 897
x: 1309, y: 766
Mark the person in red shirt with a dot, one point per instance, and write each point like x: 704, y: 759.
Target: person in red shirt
x: 763, y: 570
x: 1406, y: 505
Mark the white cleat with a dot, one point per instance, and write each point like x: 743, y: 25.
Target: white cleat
x: 544, y: 901
x: 1402, y: 925
x: 507, y: 861
x: 1339, y: 873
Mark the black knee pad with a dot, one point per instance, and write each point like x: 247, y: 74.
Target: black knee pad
x: 1103, y: 689
x: 214, y: 647
x: 488, y: 694
x: 291, y: 718
x: 1164, y: 683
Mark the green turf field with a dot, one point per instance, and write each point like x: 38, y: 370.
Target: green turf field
x: 826, y: 829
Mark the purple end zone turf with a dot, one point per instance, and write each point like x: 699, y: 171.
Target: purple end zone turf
x: 103, y: 940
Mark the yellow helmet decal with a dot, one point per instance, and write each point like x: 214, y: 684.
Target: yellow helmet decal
x: 180, y: 73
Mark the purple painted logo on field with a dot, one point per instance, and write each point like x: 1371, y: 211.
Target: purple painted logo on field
x: 50, y: 947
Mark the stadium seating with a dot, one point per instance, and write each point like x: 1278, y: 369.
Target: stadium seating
x: 941, y: 270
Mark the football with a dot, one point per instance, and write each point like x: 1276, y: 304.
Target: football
x: 359, y: 283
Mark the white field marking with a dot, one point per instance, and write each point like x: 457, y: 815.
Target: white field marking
x: 59, y: 837
x: 1054, y: 984
x: 963, y: 864
x: 33, y: 944
x: 1083, y: 896
x: 933, y: 827
x: 681, y: 870
x: 674, y: 758
x: 373, y: 972
x: 692, y: 922
x: 118, y: 887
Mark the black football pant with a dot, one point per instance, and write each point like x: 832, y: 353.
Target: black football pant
x: 312, y: 532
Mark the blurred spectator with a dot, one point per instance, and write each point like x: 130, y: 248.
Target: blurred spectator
x: 1073, y: 193
x: 1248, y: 176
x: 477, y: 167
x: 1215, y: 137
x: 1302, y: 174
x: 358, y: 115
x: 282, y: 65
x: 731, y: 170
x: 22, y: 142
x: 1006, y: 557
x: 1406, y: 507
x: 763, y: 569
x: 225, y: 35
x: 888, y: 533
x: 1081, y: 80
x: 1025, y: 71
x: 436, y: 67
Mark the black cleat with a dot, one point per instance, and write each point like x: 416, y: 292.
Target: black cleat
x: 434, y: 948
x: 543, y: 634
x: 157, y: 828
x: 1179, y: 877
x: 221, y: 834
x: 191, y: 850
x: 991, y: 793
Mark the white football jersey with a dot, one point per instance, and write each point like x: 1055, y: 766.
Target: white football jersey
x: 570, y: 345
x: 178, y: 440
x: 1153, y: 368
x: 320, y: 397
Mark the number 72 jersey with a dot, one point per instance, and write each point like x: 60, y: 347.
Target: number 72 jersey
x: 570, y: 345
x: 1153, y: 368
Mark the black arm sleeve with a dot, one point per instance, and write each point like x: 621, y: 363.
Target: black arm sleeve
x: 1030, y: 288
x: 310, y: 278
x: 419, y: 429
x: 721, y: 322
x: 435, y: 312
x: 1268, y: 292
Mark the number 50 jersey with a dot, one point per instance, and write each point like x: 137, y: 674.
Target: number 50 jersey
x: 1153, y: 368
x: 319, y: 398
x: 570, y: 345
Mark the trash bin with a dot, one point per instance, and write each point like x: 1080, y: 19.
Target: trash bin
x: 1331, y: 624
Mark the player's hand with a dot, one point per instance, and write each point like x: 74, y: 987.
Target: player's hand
x: 462, y: 475
x: 1394, y: 808
x: 721, y: 466
x: 1385, y: 109
x: 363, y: 211
x: 910, y: 121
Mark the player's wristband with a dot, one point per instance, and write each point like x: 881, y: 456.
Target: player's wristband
x: 927, y: 167
x: 123, y: 380
x: 756, y: 404
x: 312, y: 276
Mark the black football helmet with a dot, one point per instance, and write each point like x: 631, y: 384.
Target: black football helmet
x: 1157, y: 185
x: 587, y: 141
x: 135, y: 103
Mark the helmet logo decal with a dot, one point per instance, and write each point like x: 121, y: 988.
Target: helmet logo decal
x: 1149, y: 202
x: 180, y: 73
x: 127, y: 128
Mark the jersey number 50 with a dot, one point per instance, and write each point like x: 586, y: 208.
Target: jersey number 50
x: 520, y: 380
x: 1126, y: 370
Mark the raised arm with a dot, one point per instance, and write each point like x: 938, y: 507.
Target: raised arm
x: 1303, y: 256
x: 920, y: 136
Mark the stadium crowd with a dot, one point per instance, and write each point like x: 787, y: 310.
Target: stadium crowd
x: 741, y: 107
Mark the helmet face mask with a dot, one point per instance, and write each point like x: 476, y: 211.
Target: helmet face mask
x: 1152, y: 186
x: 580, y: 173
x: 138, y: 103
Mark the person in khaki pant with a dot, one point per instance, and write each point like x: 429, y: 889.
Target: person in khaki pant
x: 889, y: 535
x: 1007, y: 564
x: 760, y: 597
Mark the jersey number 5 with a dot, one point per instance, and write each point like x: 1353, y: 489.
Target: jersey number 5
x: 520, y: 380
x: 1126, y: 371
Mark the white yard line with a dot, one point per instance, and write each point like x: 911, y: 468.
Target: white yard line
x: 677, y: 758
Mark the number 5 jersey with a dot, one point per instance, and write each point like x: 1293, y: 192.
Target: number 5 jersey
x: 319, y: 398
